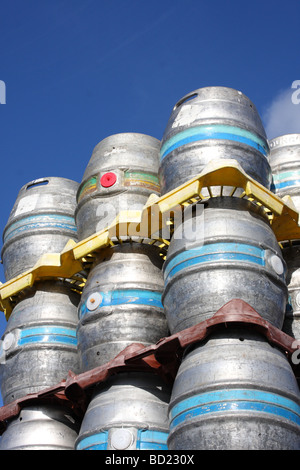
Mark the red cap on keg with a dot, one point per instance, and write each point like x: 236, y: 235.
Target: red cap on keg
x: 108, y: 179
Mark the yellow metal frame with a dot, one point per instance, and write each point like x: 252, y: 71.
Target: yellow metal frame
x: 219, y: 174
x: 50, y: 265
x: 145, y: 226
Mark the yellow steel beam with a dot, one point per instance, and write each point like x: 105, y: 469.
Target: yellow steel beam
x: 146, y: 224
x: 220, y: 173
x: 50, y: 265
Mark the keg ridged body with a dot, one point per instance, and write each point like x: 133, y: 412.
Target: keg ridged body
x: 41, y: 428
x: 291, y: 325
x: 42, y: 221
x: 228, y: 251
x: 129, y: 411
x: 235, y: 392
x: 285, y: 164
x: 208, y: 124
x: 39, y: 345
x: 121, y: 175
x: 121, y: 303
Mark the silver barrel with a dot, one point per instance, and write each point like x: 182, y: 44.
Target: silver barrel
x: 291, y: 255
x: 285, y: 164
x: 129, y: 411
x: 39, y: 345
x: 42, y: 221
x: 235, y: 391
x: 226, y: 250
x: 41, y: 427
x: 121, y: 175
x: 121, y: 303
x: 208, y: 124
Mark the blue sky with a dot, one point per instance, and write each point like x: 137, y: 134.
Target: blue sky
x: 77, y: 71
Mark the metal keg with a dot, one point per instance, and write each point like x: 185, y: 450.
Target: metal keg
x: 234, y: 391
x: 285, y: 164
x: 208, y: 124
x: 121, y: 175
x: 291, y: 255
x: 128, y: 411
x: 41, y: 427
x: 39, y: 345
x: 42, y: 221
x: 121, y: 303
x: 228, y: 251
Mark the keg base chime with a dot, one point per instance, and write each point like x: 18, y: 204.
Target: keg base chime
x: 233, y: 389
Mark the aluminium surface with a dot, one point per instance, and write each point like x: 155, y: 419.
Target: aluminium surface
x: 145, y: 226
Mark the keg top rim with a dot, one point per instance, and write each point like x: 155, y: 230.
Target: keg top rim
x: 39, y: 181
x: 125, y: 135
x: 283, y: 140
x: 211, y: 88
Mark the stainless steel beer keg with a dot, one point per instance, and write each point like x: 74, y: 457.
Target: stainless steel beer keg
x: 121, y: 303
x: 285, y: 164
x: 228, y: 251
x: 235, y: 391
x: 42, y: 221
x: 208, y: 124
x: 291, y: 255
x: 41, y: 427
x: 121, y: 175
x: 129, y: 411
x: 39, y: 345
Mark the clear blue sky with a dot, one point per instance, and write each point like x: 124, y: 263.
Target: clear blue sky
x: 77, y: 71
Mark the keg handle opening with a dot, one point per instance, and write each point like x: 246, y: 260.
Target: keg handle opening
x: 186, y: 98
x: 39, y: 182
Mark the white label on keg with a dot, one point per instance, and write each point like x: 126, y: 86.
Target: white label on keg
x: 27, y: 204
x: 8, y: 341
x: 93, y: 301
x: 277, y: 265
x: 187, y: 114
x: 121, y: 439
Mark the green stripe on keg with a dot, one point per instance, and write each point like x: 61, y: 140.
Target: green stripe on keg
x: 214, y: 131
x: 214, y: 252
x: 88, y: 187
x: 142, y: 179
x: 234, y: 401
x: 48, y: 335
x: 40, y: 221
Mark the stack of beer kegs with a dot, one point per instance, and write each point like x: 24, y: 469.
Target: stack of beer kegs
x: 39, y: 345
x: 285, y: 164
x: 121, y: 301
x: 234, y: 390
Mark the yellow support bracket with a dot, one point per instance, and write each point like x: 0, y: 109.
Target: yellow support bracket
x: 146, y: 225
x: 125, y: 225
x: 50, y: 265
x: 221, y: 173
